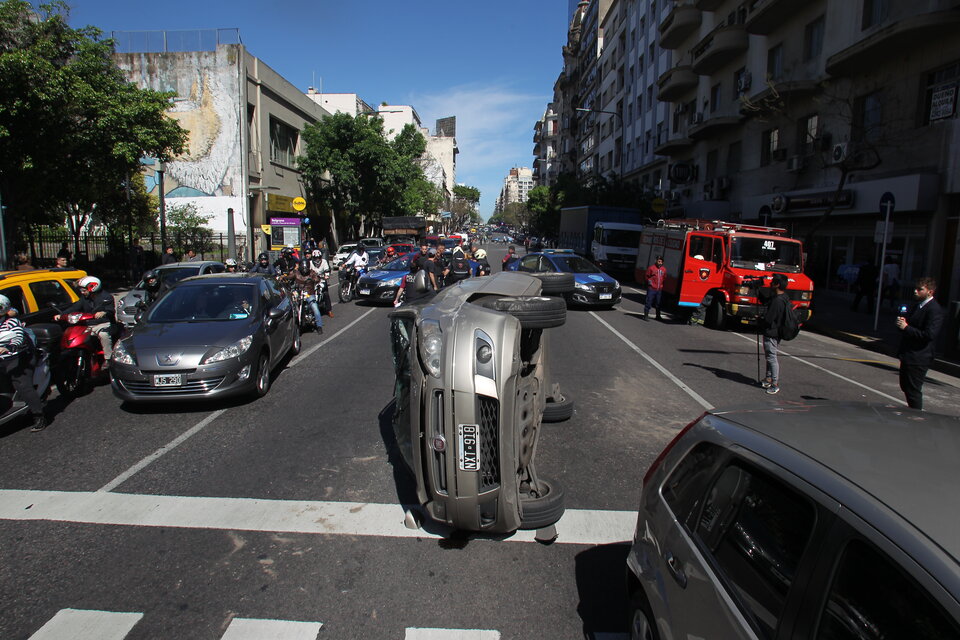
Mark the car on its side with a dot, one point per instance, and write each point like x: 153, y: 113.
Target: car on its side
x: 342, y: 254
x: 209, y: 336
x: 472, y: 389
x: 380, y: 284
x: 170, y: 274
x: 808, y: 520
x: 591, y: 286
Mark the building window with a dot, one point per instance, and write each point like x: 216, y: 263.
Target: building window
x: 770, y: 142
x: 867, y: 118
x: 808, y: 130
x: 775, y: 62
x: 741, y: 83
x: 650, y: 95
x: 715, y: 98
x: 712, y: 159
x: 734, y: 151
x: 941, y: 95
x: 813, y: 39
x: 874, y: 12
x: 283, y: 143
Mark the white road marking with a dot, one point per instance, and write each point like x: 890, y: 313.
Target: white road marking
x: 835, y: 374
x: 81, y: 624
x: 254, y: 629
x: 674, y: 379
x: 577, y: 526
x: 413, y: 633
x: 308, y: 352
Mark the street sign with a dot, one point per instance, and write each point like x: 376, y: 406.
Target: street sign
x: 887, y: 203
x: 659, y: 205
x: 878, y: 232
x: 299, y: 203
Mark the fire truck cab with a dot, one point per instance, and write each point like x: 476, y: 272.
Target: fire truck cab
x: 727, y: 264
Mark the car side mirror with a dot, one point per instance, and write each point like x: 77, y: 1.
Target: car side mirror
x: 139, y: 316
x: 275, y: 313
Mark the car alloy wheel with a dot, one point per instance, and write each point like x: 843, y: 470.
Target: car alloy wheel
x: 263, y: 375
x: 297, y: 342
x: 641, y: 622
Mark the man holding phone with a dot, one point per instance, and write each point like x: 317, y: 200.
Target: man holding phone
x: 920, y: 326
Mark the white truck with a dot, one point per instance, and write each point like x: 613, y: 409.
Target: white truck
x: 610, y: 236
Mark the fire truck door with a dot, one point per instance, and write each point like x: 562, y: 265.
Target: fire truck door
x: 701, y: 268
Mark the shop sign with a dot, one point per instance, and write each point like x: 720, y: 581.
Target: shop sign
x: 811, y: 201
x: 276, y: 202
x: 943, y: 103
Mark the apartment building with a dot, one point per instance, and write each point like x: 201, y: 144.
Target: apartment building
x: 516, y: 188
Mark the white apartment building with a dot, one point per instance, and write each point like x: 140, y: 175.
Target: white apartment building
x: 516, y: 188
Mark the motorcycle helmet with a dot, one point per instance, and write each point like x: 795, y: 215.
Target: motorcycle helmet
x: 90, y: 284
x: 4, y: 304
x: 304, y: 268
x: 391, y: 252
x: 287, y: 250
x: 151, y: 281
x: 263, y: 258
x: 230, y: 262
x: 361, y: 249
x: 480, y: 254
x: 316, y: 253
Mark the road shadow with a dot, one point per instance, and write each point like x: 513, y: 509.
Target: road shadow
x: 725, y: 374
x: 405, y: 483
x: 601, y: 585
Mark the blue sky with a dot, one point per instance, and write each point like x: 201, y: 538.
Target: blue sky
x: 491, y: 64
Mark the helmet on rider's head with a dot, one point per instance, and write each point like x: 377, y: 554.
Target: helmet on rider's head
x: 230, y: 262
x: 361, y: 248
x: 391, y: 251
x: 5, y: 304
x: 316, y: 253
x: 304, y: 267
x: 263, y: 257
x: 90, y: 284
x: 480, y: 254
x: 151, y: 281
x: 287, y: 250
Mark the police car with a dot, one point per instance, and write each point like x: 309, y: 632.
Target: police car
x: 591, y: 287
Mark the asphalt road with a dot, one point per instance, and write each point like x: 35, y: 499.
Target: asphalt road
x: 282, y: 517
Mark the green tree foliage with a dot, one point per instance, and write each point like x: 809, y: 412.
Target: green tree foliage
x: 466, y: 193
x: 71, y: 127
x: 463, y: 209
x: 188, y: 227
x: 134, y: 207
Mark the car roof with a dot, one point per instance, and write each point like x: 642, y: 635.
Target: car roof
x: 179, y: 265
x: 65, y: 272
x: 245, y: 278
x: 904, y: 459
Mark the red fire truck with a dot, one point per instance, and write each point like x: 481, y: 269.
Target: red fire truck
x: 727, y: 261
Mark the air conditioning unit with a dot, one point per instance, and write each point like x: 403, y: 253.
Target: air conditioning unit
x: 698, y: 117
x: 840, y: 152
x: 780, y: 154
x: 795, y: 163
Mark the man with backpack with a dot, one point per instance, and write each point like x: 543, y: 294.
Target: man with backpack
x: 458, y: 269
x: 778, y: 323
x: 14, y: 339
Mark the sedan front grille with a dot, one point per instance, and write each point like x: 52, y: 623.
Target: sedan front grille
x: 488, y: 412
x: 603, y: 287
x: 192, y: 387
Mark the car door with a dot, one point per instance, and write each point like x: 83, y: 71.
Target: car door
x: 530, y: 264
x: 47, y: 294
x: 701, y: 268
x: 280, y: 330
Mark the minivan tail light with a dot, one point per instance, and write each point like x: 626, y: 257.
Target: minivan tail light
x: 663, y: 454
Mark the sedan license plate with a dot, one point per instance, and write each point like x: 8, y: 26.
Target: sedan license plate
x: 364, y: 292
x: 168, y: 380
x: 469, y: 452
x: 606, y: 296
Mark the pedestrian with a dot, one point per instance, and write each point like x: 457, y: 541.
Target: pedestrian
x: 136, y: 260
x: 192, y: 256
x: 772, y: 324
x: 62, y: 262
x: 865, y: 285
x: 433, y: 269
x: 510, y: 257
x: 920, y: 324
x: 64, y: 252
x: 656, y: 274
x: 891, y: 282
x: 23, y: 262
x: 168, y: 257
x: 14, y: 340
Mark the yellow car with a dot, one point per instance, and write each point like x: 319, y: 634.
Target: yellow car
x: 34, y: 293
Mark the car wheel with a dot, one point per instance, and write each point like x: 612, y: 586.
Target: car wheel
x: 641, y: 621
x: 297, y: 341
x: 558, y: 410
x: 533, y: 312
x: 716, y: 316
x: 554, y: 283
x: 537, y: 512
x: 262, y: 375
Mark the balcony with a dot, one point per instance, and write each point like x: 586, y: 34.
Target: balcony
x: 774, y: 98
x: 707, y: 5
x: 893, y: 39
x: 682, y: 21
x: 763, y: 16
x: 676, y: 83
x: 713, y: 124
x: 673, y: 146
x: 719, y: 47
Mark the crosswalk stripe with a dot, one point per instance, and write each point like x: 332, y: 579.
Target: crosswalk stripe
x: 577, y: 526
x: 414, y: 633
x: 83, y: 624
x: 254, y: 629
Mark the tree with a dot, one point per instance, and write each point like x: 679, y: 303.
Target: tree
x: 463, y: 209
x: 188, y: 226
x: 72, y: 129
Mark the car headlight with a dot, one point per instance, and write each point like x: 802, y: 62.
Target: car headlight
x: 582, y: 287
x: 121, y: 355
x: 231, y: 351
x: 616, y: 284
x: 483, y: 352
x: 431, y: 346
x: 393, y: 282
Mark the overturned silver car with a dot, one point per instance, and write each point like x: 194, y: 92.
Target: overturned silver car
x: 472, y: 388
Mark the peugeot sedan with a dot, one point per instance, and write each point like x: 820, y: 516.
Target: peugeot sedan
x: 380, y: 284
x: 591, y: 286
x: 209, y: 336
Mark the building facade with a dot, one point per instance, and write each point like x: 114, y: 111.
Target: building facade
x: 516, y: 188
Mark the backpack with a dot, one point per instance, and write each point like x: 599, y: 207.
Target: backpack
x: 790, y: 328
x: 459, y: 269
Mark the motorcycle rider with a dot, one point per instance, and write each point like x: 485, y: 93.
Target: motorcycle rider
x: 483, y: 266
x: 287, y: 262
x: 389, y: 255
x: 356, y: 262
x: 152, y: 286
x: 321, y: 268
x: 308, y: 280
x: 98, y: 301
x: 231, y: 266
x: 263, y: 265
x: 14, y: 340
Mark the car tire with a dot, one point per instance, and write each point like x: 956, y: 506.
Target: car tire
x: 554, y: 283
x: 297, y: 341
x: 533, y: 312
x: 543, y: 511
x: 262, y: 375
x: 641, y: 621
x: 558, y: 410
x: 716, y: 315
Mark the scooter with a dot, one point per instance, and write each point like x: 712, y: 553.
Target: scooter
x: 81, y: 355
x: 11, y: 405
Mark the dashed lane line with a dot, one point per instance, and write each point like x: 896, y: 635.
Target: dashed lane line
x: 577, y: 526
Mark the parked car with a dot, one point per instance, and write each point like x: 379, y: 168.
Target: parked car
x: 380, y: 284
x: 342, y: 254
x: 403, y: 248
x: 807, y: 520
x: 586, y: 285
x: 478, y: 345
x: 209, y: 336
x: 170, y: 274
x: 371, y: 243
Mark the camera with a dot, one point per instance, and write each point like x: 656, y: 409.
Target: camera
x: 903, y: 310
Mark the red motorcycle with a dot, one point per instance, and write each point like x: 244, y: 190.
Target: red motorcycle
x: 81, y: 355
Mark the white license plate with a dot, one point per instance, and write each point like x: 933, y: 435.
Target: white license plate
x: 469, y: 451
x: 364, y: 292
x: 168, y: 380
x: 606, y: 296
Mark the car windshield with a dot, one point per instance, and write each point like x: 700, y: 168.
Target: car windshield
x: 621, y: 238
x: 575, y: 264
x: 170, y: 277
x: 347, y: 249
x: 206, y: 302
x: 400, y: 264
x: 766, y: 254
x: 450, y: 243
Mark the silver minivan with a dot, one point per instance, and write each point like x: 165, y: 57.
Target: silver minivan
x: 807, y: 520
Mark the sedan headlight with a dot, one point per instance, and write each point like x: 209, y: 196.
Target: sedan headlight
x: 121, y: 355
x: 231, y: 351
x: 393, y: 282
x: 582, y: 286
x: 431, y: 346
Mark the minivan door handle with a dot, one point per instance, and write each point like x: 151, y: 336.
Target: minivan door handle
x: 673, y: 566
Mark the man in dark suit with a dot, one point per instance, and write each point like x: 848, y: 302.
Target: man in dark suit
x: 920, y: 327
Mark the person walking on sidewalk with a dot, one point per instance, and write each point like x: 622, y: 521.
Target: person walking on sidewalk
x: 920, y: 326
x: 772, y: 323
x: 656, y: 273
x: 866, y: 285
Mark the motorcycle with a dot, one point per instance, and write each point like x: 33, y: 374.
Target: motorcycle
x: 11, y: 405
x: 349, y: 276
x: 81, y: 359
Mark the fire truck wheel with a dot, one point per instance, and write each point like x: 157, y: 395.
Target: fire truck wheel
x: 716, y: 316
x: 533, y: 312
x: 554, y: 283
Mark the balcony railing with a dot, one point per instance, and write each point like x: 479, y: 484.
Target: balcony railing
x: 676, y: 83
x: 679, y: 24
x: 719, y: 47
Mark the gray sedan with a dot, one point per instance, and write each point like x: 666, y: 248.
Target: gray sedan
x: 209, y: 336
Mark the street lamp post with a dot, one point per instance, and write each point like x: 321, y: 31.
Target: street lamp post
x: 161, y: 168
x: 622, y: 132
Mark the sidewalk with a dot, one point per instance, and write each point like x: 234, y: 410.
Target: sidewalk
x: 833, y: 317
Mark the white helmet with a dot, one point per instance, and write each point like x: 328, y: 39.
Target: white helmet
x: 480, y: 254
x: 230, y: 262
x: 91, y: 284
x: 4, y: 304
